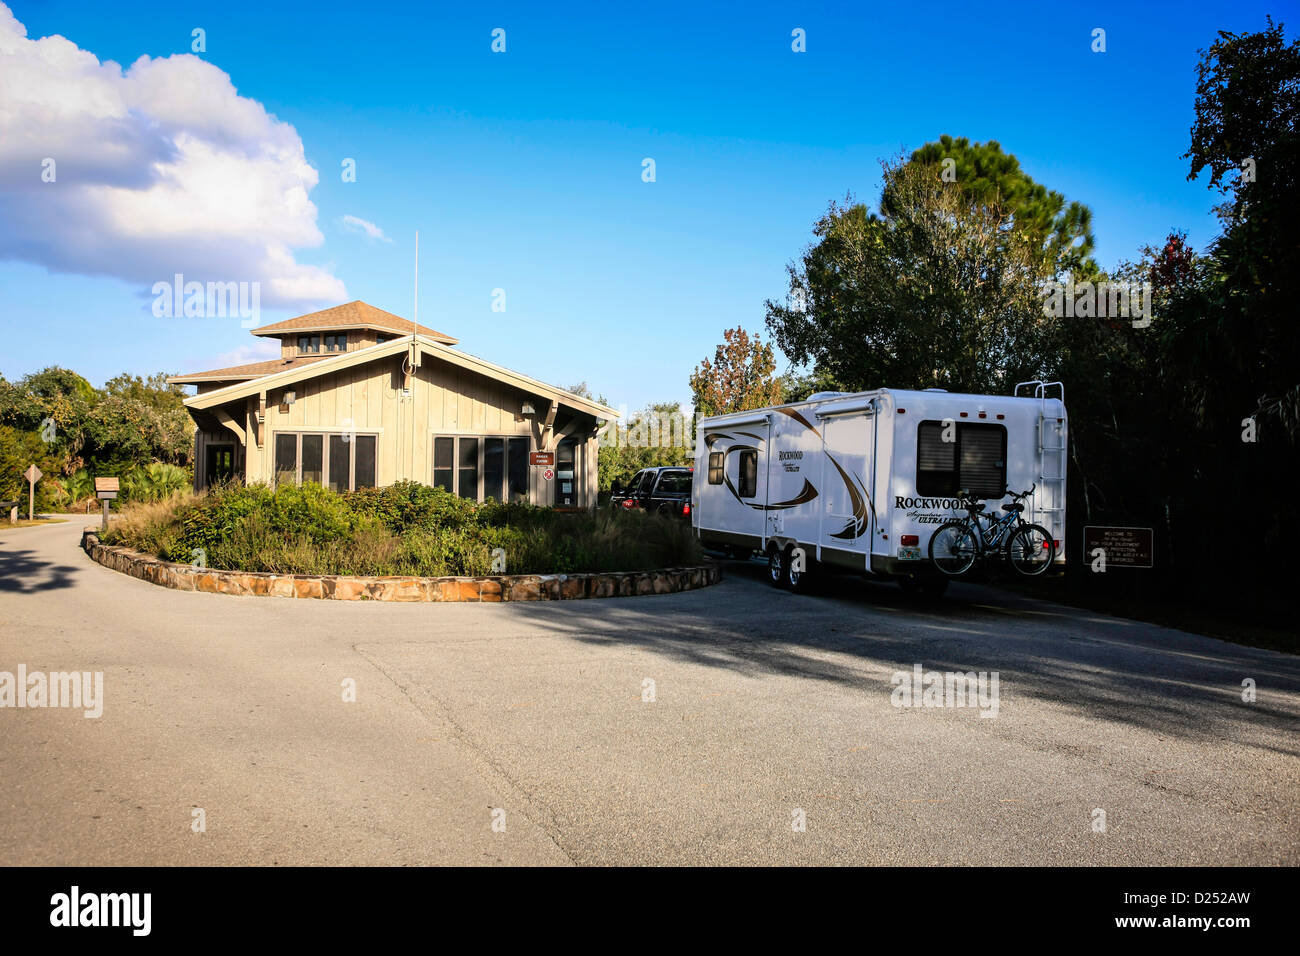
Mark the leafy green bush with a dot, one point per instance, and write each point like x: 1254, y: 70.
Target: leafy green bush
x: 407, y: 529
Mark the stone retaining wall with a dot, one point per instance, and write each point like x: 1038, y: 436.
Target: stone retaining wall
x: 338, y: 587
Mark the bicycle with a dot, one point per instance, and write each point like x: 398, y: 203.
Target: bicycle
x: 957, y: 544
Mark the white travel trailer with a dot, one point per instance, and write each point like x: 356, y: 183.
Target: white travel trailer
x: 861, y: 481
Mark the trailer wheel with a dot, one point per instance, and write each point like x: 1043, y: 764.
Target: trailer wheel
x: 778, y: 568
x: 800, y: 581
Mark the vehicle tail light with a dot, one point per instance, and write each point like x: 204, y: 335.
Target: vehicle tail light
x: 1047, y: 545
x: 1058, y: 545
x: 909, y: 540
x: 629, y: 503
x: 686, y: 508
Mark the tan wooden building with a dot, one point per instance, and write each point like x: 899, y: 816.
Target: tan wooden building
x: 361, y: 397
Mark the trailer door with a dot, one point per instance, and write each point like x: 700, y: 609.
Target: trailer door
x: 848, y: 441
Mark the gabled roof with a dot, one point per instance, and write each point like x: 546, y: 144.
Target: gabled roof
x: 341, y: 360
x: 251, y: 370
x: 353, y: 315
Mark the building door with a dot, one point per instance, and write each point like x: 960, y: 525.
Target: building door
x: 566, y: 474
x: 220, y: 464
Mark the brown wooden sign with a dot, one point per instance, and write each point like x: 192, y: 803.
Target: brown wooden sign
x: 542, y: 458
x: 106, y: 487
x: 1124, y: 547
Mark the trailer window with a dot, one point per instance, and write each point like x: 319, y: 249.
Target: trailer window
x: 975, y: 459
x: 715, y: 467
x: 748, y: 473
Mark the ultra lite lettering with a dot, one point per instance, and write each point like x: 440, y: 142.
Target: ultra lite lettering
x: 103, y: 909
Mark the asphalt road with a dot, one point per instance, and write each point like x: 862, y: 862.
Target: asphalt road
x: 765, y: 704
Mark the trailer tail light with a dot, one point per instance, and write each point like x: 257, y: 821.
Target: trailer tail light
x: 902, y: 411
x: 1058, y: 545
x: 686, y: 509
x: 629, y: 503
x: 984, y: 414
x: 964, y: 414
x: 1001, y: 416
x: 1047, y: 545
x: 909, y: 540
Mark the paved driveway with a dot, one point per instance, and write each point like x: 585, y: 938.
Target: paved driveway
x: 766, y: 704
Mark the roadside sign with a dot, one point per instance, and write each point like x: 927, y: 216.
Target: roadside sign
x: 106, y: 487
x: 1124, y: 547
x: 546, y: 458
x: 548, y: 474
x: 33, y: 475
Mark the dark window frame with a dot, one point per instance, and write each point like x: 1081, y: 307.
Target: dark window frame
x: 308, y: 344
x: 748, y: 477
x: 717, y: 465
x: 327, y: 436
x: 516, y: 468
x: 945, y: 483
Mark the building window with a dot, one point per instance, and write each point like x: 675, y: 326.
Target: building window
x: 444, y: 477
x: 308, y: 343
x: 467, y: 468
x: 748, y: 473
x: 500, y: 461
x: 715, y: 467
x: 286, y: 459
x: 348, y: 460
x: 975, y: 460
x: 494, y: 468
x: 313, y: 460
x: 517, y: 465
x: 336, y: 343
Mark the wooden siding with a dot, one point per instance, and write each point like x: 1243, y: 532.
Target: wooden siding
x: 445, y: 399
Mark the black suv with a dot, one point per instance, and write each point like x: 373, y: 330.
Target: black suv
x: 666, y: 489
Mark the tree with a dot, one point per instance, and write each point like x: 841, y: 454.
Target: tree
x: 742, y: 375
x: 153, y: 391
x: 937, y: 290
x: 18, y: 450
x: 1247, y: 135
x: 660, y: 434
x: 988, y: 177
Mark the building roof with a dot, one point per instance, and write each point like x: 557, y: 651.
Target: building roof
x: 353, y: 315
x: 289, y: 372
x: 245, y: 372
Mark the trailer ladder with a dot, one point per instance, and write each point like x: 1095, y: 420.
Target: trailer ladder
x: 1052, y: 451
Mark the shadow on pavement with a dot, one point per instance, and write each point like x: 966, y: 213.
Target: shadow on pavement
x: 1127, y: 672
x: 23, y: 572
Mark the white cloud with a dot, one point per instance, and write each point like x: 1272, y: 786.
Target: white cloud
x: 159, y: 169
x: 369, y: 229
x: 260, y: 351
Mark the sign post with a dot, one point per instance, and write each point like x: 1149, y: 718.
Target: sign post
x: 106, y: 490
x: 33, y: 475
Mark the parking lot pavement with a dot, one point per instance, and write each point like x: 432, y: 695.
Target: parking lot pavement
x: 701, y: 727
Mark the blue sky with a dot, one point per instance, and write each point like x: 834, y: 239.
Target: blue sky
x: 522, y: 170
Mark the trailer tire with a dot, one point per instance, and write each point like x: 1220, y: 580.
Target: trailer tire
x: 778, y: 567
x: 798, y: 581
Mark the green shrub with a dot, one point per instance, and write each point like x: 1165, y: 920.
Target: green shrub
x: 406, y: 529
